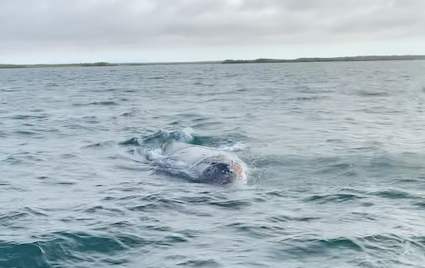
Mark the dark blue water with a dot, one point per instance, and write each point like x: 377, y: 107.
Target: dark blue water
x: 336, y: 153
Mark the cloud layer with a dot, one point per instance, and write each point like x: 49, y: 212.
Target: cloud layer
x: 148, y: 24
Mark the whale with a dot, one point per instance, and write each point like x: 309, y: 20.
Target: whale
x: 209, y: 165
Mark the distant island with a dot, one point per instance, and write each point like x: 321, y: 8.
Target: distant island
x: 357, y: 58
x: 99, y: 64
x: 58, y: 65
x: 336, y: 59
x: 11, y: 66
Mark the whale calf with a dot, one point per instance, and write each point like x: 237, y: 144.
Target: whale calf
x: 210, y: 165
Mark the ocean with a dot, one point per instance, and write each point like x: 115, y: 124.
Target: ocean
x: 335, y: 152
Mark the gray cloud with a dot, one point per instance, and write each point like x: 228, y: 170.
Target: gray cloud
x: 164, y: 23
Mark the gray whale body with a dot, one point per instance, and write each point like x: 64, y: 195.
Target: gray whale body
x: 211, y: 165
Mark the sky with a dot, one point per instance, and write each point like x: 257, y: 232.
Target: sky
x: 74, y: 31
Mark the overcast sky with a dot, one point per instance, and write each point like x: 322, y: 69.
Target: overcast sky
x: 54, y: 31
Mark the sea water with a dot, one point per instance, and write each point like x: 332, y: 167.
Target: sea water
x: 336, y: 153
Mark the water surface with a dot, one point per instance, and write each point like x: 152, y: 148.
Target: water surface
x: 336, y: 152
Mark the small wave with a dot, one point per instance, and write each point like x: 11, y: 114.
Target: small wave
x: 85, y: 242
x: 258, y: 230
x: 371, y: 93
x: 204, y: 140
x: 103, y: 103
x: 420, y: 205
x: 283, y: 218
x: 129, y: 113
x: 110, y: 89
x: 11, y: 89
x: 132, y: 141
x: 158, y: 205
x: 23, y: 157
x: 231, y: 75
x: 72, y: 248
x: 68, y: 156
x: 383, y: 244
x: 345, y: 168
x: 35, y: 212
x: 308, y: 98
x: 210, y: 263
x: 231, y: 204
x: 306, y: 248
x: 197, y: 199
x: 22, y: 255
x: 335, y: 198
x: 48, y: 85
x: 102, y: 210
x: 393, y: 194
x: 107, y: 103
x: 12, y: 217
x: 100, y: 144
x: 27, y: 117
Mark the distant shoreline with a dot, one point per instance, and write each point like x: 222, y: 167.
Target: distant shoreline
x: 335, y: 59
x: 263, y: 60
x: 99, y: 64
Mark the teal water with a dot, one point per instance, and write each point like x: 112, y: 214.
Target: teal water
x: 336, y: 153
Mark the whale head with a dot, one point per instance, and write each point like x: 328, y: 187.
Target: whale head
x: 221, y: 170
x: 218, y: 173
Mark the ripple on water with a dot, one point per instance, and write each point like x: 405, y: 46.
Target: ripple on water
x: 23, y: 158
x: 101, y: 103
x: 420, y: 205
x: 333, y: 198
x: 11, y: 218
x: 158, y: 205
x: 72, y: 248
x: 26, y: 133
x: 393, y: 194
x: 22, y: 255
x: 231, y: 204
x: 205, y: 263
x: 336, y: 252
x: 27, y: 117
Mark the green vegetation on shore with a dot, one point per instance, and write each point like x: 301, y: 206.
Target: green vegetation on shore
x: 11, y: 66
x: 58, y: 65
x: 336, y: 59
x: 357, y: 58
x: 99, y: 64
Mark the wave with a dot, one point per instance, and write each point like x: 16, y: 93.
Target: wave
x: 103, y: 103
x: 333, y: 198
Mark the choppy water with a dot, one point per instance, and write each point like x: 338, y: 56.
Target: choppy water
x: 336, y: 152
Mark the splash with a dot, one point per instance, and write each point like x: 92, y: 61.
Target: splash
x: 237, y: 147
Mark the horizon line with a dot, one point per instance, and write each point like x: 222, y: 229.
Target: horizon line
x: 302, y: 59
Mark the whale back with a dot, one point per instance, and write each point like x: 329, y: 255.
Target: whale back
x: 212, y: 165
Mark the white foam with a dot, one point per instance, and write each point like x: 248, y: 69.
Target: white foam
x: 186, y: 134
x: 237, y: 147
